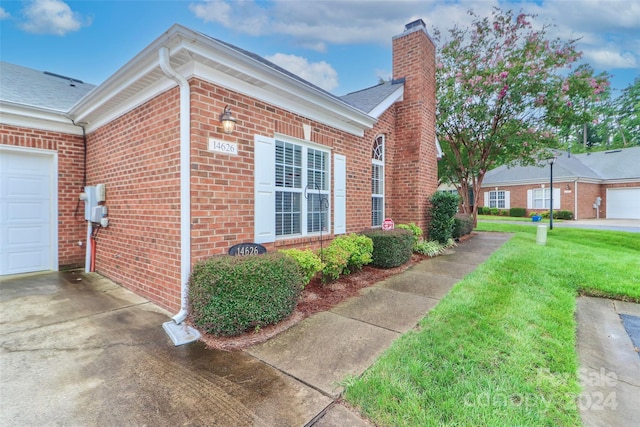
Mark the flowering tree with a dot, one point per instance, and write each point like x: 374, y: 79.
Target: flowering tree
x: 499, y: 92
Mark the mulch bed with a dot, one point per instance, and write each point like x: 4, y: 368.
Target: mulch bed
x: 315, y: 297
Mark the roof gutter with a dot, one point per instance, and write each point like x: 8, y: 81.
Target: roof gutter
x: 186, y: 334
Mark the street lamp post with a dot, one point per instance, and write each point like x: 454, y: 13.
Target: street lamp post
x: 551, y: 161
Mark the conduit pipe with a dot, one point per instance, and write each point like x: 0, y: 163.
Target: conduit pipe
x: 185, y: 179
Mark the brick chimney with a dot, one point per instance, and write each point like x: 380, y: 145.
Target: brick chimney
x: 414, y: 168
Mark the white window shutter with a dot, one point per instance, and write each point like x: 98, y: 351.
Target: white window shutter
x: 486, y: 199
x: 507, y: 199
x: 556, y: 198
x: 264, y: 216
x: 339, y: 194
x: 529, y: 199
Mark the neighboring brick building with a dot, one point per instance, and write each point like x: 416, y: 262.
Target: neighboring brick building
x: 602, y: 184
x: 301, y: 164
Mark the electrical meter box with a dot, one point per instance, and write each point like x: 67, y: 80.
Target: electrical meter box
x: 98, y: 213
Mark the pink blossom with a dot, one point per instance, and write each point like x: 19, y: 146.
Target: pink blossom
x: 504, y: 74
x: 503, y: 92
x: 565, y: 86
x: 569, y: 104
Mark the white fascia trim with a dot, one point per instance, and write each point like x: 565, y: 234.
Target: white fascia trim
x: 397, y: 95
x: 621, y: 181
x: 219, y: 52
x: 36, y: 118
x: 314, y: 109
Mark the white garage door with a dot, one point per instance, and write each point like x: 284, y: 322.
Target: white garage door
x: 28, y: 193
x: 623, y: 203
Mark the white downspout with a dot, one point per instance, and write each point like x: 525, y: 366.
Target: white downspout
x: 87, y: 254
x: 185, y: 180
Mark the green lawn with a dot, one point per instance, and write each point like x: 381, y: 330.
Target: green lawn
x: 499, y: 349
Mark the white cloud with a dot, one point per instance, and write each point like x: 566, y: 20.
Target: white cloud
x: 611, y: 58
x: 4, y: 14
x: 320, y: 73
x: 51, y: 17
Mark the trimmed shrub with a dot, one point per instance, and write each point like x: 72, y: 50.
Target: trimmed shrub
x: 414, y: 229
x: 493, y: 211
x: 483, y: 210
x: 336, y: 259
x: 443, y: 208
x: 518, y: 212
x: 391, y: 248
x: 360, y: 249
x: 308, y: 262
x: 503, y: 212
x: 230, y: 295
x: 563, y: 215
x: 462, y: 225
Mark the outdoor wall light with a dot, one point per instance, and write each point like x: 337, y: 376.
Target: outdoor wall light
x: 227, y: 120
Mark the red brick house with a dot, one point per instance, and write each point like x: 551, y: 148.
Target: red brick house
x: 178, y: 188
x: 602, y: 184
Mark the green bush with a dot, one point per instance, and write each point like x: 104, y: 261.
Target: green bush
x: 494, y: 211
x: 391, y: 248
x: 563, y: 215
x: 430, y: 248
x: 443, y: 209
x: 414, y: 229
x: 308, y: 262
x: 483, y: 210
x: 518, y: 212
x: 462, y: 225
x: 335, y: 259
x: 230, y: 295
x: 503, y: 212
x: 360, y: 249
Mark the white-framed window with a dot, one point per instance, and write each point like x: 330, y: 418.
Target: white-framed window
x: 293, y: 186
x: 302, y: 189
x: 540, y: 198
x: 377, y: 182
x: 497, y: 199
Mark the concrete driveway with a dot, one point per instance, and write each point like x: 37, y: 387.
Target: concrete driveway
x: 75, y: 349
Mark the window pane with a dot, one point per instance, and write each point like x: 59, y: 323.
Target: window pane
x: 288, y: 220
x: 316, y: 213
x: 288, y: 165
x: 377, y: 179
x: 317, y: 169
x: 377, y: 204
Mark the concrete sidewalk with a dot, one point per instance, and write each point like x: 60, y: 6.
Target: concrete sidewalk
x: 609, y: 364
x: 324, y: 349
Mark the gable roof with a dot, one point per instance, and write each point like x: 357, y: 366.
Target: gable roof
x: 43, y: 90
x: 372, y: 98
x: 623, y: 164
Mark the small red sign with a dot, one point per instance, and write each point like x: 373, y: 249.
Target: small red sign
x: 388, y: 224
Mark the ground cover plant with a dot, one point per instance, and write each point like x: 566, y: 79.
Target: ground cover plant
x: 500, y: 347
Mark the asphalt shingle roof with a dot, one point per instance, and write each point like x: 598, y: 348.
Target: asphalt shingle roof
x: 368, y: 99
x: 35, y: 88
x: 602, y: 165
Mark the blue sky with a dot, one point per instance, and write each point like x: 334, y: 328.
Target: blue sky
x: 339, y: 45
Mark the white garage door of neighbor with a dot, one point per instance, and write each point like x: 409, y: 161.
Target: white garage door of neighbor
x: 623, y: 203
x: 28, y: 193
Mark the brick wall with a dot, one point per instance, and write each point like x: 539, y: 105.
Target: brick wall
x: 137, y: 156
x: 414, y: 159
x: 70, y: 149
